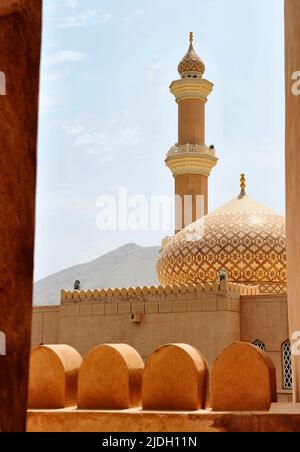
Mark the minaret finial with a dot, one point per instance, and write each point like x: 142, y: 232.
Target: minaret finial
x: 243, y: 186
x: 191, y: 37
x: 243, y: 181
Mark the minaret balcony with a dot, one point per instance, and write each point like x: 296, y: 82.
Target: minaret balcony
x: 191, y: 149
x: 191, y: 88
x: 191, y: 159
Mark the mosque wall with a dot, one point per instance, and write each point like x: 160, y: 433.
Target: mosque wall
x: 265, y: 318
x: 208, y: 317
x: 209, y: 332
x: 45, y: 325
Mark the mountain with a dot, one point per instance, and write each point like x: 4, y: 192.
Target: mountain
x: 128, y: 266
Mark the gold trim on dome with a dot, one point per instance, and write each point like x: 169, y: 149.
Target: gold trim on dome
x: 191, y: 89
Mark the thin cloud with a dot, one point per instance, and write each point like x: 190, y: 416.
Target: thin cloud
x: 67, y: 56
x: 73, y: 131
x: 86, y: 18
x: 153, y: 69
x: 102, y: 140
x: 71, y: 3
x: 54, y: 77
x: 136, y: 14
x: 129, y: 136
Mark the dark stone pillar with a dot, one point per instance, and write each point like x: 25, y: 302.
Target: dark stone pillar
x: 20, y: 39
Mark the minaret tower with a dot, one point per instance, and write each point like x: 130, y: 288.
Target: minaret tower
x: 190, y: 160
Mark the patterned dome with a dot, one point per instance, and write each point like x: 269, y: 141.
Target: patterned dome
x: 243, y: 237
x: 191, y: 65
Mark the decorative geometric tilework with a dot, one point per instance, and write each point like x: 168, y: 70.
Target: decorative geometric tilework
x: 287, y: 366
x: 250, y: 244
x: 258, y: 343
x: 272, y: 288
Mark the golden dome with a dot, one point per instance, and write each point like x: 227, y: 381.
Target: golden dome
x: 191, y: 65
x: 243, y: 237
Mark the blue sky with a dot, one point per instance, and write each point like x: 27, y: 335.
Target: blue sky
x: 107, y: 118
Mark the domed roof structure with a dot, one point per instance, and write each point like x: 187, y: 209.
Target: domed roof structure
x: 191, y: 65
x: 243, y: 237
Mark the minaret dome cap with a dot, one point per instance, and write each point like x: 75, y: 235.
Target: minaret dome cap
x: 191, y: 66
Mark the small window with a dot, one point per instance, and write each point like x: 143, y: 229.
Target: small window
x: 258, y: 343
x: 287, y: 366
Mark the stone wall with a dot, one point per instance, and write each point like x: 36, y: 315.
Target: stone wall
x: 113, y: 390
x: 206, y: 316
x: 46, y: 325
x: 265, y: 318
x: 209, y: 317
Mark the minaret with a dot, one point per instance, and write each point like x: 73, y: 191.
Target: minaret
x: 190, y: 160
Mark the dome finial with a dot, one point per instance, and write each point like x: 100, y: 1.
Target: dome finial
x: 191, y: 37
x: 243, y: 181
x: 243, y: 186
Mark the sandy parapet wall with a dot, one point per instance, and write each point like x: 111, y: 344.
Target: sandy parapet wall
x: 175, y: 379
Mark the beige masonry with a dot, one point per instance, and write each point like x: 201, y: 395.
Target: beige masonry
x: 175, y: 390
x: 110, y: 378
x: 53, y: 377
x: 176, y: 378
x: 208, y: 317
x: 243, y: 379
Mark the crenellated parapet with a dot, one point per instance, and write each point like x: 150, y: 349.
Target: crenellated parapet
x: 158, y: 293
x: 141, y: 301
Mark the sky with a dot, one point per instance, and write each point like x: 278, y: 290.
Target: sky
x: 107, y: 118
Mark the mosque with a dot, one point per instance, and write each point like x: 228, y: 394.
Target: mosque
x: 223, y: 275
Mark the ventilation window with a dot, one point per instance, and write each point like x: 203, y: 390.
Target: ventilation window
x: 287, y: 366
x: 259, y: 344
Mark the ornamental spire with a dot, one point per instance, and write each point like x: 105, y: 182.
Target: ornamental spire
x: 191, y: 37
x: 243, y: 181
x: 243, y: 186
